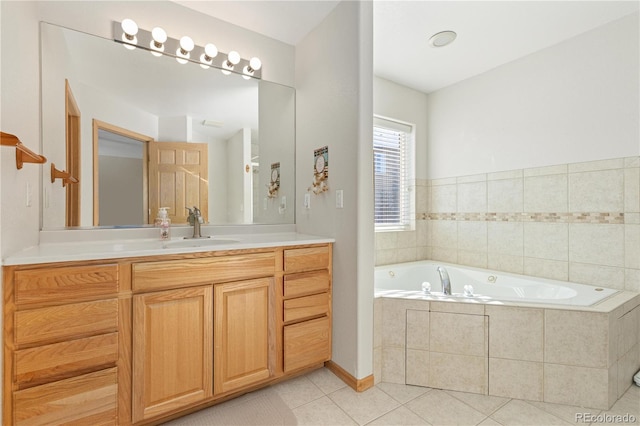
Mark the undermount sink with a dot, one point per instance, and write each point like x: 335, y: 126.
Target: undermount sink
x: 200, y: 242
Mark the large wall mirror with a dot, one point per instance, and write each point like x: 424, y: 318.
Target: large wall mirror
x: 140, y: 132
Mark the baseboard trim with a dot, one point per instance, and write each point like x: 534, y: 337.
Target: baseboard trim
x: 359, y: 385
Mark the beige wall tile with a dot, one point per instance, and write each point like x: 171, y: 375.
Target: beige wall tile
x: 505, y: 262
x: 457, y: 334
x: 457, y: 308
x: 505, y: 195
x: 393, y: 322
x: 423, y: 253
x: 472, y: 235
x: 472, y: 197
x: 444, y: 233
x: 386, y: 240
x: 443, y: 198
x: 632, y: 280
x: 418, y: 330
x: 598, y: 244
x: 544, y: 268
x: 417, y: 367
x: 580, y: 386
x: 547, y: 193
x: 632, y: 246
x: 423, y: 199
x: 569, y: 338
x: 516, y: 333
x: 600, y: 191
x: 393, y: 365
x: 632, y: 190
x: 477, y: 259
x: 590, y: 166
x: 547, y: 170
x: 628, y: 365
x: 508, y: 174
x: 422, y: 233
x: 407, y: 239
x: 406, y: 255
x: 377, y: 322
x: 458, y: 372
x: 597, y: 275
x: 386, y: 257
x: 546, y: 241
x: 482, y: 177
x: 506, y: 238
x: 443, y: 181
x: 377, y: 365
x: 516, y: 379
x: 629, y: 335
x: 449, y: 255
x: 632, y: 218
x: 632, y: 161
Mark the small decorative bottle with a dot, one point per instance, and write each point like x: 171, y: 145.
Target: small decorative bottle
x: 164, y: 223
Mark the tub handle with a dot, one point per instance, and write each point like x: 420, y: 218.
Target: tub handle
x: 492, y: 278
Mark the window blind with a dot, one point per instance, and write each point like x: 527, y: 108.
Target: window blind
x: 393, y: 172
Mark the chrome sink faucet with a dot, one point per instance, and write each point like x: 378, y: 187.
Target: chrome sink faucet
x: 195, y: 219
x: 444, y: 280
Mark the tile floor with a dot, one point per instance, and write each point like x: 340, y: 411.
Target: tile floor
x: 320, y: 398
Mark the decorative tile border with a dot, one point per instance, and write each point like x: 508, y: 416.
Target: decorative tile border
x: 615, y: 218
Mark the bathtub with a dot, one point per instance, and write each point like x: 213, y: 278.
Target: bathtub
x: 515, y: 336
x: 488, y: 286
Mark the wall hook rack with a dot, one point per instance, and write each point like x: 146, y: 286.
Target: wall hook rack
x: 23, y: 154
x: 61, y: 174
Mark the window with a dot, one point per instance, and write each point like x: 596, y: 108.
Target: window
x: 393, y: 165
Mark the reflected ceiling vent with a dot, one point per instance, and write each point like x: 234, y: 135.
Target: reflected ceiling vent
x: 442, y: 39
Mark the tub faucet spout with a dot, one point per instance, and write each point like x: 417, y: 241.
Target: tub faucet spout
x: 444, y: 280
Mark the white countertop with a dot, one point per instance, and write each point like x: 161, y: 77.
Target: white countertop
x: 112, y: 249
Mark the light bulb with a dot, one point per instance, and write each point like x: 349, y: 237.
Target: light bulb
x: 186, y: 46
x: 130, y: 28
x: 255, y: 63
x: 210, y: 52
x: 233, y: 57
x: 157, y: 44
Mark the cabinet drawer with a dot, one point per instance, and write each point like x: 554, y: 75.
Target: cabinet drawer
x: 66, y: 321
x: 306, y: 307
x: 307, y: 343
x: 306, y: 259
x: 60, y: 360
x: 87, y: 399
x: 65, y: 284
x: 183, y: 273
x: 307, y: 283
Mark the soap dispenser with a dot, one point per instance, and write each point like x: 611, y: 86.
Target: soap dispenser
x: 164, y: 223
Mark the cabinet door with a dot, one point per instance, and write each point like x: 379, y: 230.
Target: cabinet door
x: 244, y: 333
x: 172, y: 350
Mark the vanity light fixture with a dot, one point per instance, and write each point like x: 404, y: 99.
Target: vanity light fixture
x: 210, y: 52
x: 129, y: 31
x: 183, y: 52
x: 442, y: 39
x: 159, y: 37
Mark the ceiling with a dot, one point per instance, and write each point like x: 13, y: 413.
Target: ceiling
x: 490, y: 33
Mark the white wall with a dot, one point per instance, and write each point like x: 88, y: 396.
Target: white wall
x: 334, y: 66
x: 392, y: 100
x: 575, y: 101
x: 239, y: 202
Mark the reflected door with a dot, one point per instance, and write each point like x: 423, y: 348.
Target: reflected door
x: 178, y: 178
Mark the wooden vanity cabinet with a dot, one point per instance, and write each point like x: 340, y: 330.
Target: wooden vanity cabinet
x: 172, y: 350
x: 244, y: 334
x: 306, y: 307
x: 61, y: 346
x: 141, y: 340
